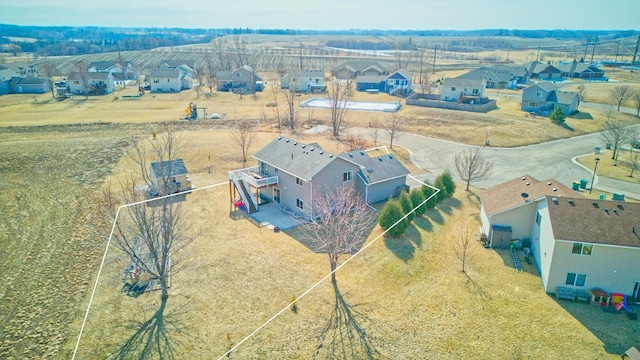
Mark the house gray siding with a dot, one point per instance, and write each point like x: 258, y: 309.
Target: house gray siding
x: 332, y: 175
x: 383, y: 190
x: 4, y: 87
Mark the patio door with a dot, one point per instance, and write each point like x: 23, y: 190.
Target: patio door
x: 636, y: 292
x: 276, y: 195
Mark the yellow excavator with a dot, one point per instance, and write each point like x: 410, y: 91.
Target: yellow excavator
x: 191, y: 111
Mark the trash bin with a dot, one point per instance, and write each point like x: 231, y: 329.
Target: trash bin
x: 617, y: 197
x: 576, y: 185
x: 603, y: 196
x: 583, y: 183
x: 597, y: 149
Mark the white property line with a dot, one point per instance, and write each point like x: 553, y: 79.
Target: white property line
x: 330, y: 273
x: 106, y: 250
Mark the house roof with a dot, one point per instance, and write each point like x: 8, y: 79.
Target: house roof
x: 378, y: 168
x: 546, y: 86
x: 400, y: 74
x: 489, y: 74
x: 595, y: 221
x: 224, y: 75
x: 32, y: 81
x: 509, y: 194
x: 566, y: 97
x: 578, y: 67
x: 306, y: 73
x: 6, y: 74
x: 168, y: 168
x: 296, y: 158
x: 167, y: 74
x: 463, y: 82
x: 371, y: 78
x: 360, y: 65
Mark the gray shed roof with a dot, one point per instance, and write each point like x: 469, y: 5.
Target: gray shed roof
x: 376, y: 169
x: 296, y: 158
x: 168, y: 168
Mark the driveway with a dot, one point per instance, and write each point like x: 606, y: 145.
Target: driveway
x: 552, y: 159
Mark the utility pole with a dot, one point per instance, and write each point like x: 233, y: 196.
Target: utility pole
x: 635, y: 53
x: 300, y: 56
x: 538, y: 53
x: 617, y: 51
x: 586, y: 47
x: 435, y: 51
x: 594, y: 49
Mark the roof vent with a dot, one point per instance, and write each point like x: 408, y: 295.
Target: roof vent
x: 524, y: 196
x: 350, y: 155
x: 295, y: 143
x: 607, y: 211
x: 286, y: 140
x: 303, y: 146
x: 279, y: 137
x: 361, y: 152
x: 390, y: 156
x: 380, y: 158
x: 524, y: 178
x: 555, y: 200
x: 615, y: 211
x: 549, y: 183
x: 595, y: 205
x: 312, y: 149
x: 330, y: 156
x: 528, y: 183
x: 620, y: 207
x: 554, y: 189
x: 321, y: 152
x: 571, y: 202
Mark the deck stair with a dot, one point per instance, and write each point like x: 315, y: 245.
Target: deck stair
x: 516, y: 260
x: 246, y: 195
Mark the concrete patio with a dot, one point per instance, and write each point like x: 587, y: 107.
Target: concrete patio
x: 271, y: 215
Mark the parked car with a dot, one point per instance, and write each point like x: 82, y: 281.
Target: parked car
x: 637, y: 144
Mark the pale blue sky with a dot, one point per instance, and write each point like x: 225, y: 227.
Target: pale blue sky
x: 329, y: 14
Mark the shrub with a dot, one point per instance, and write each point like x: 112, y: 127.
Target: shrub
x: 445, y: 183
x: 407, y: 206
x: 428, y: 191
x: 416, y: 199
x: 390, y: 214
x: 557, y: 116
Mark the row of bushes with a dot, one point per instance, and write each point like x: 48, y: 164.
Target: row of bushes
x: 396, y: 209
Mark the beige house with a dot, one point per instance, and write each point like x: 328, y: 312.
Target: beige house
x: 304, y: 81
x: 168, y: 80
x: 462, y: 90
x: 576, y: 243
x: 241, y: 80
x: 91, y: 83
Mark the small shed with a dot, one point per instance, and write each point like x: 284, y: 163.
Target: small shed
x: 500, y: 236
x: 169, y: 177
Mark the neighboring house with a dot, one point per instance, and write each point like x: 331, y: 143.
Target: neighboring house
x: 29, y: 85
x: 96, y: 83
x: 169, y: 177
x: 168, y: 80
x: 542, y: 71
x: 116, y: 69
x: 543, y: 97
x: 497, y: 77
x: 352, y: 69
x: 576, y: 242
x: 578, y: 70
x: 6, y: 76
x: 24, y: 69
x: 462, y: 90
x: 397, y: 83
x: 243, y: 79
x: 291, y: 173
x: 187, y: 66
x: 304, y: 81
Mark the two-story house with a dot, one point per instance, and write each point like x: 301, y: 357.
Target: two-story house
x: 243, y: 80
x: 307, y: 81
x: 462, y: 90
x: 90, y: 83
x: 576, y: 242
x: 578, y: 70
x: 543, y: 97
x: 497, y: 77
x: 397, y: 83
x: 352, y: 69
x: 186, y: 66
x: 291, y: 173
x: 168, y: 80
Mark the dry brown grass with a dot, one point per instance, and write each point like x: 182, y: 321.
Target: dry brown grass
x: 606, y: 166
x: 415, y: 299
x: 598, y: 92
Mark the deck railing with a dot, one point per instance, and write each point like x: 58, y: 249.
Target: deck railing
x: 253, y: 177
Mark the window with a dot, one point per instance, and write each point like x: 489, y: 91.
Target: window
x: 156, y: 81
x: 576, y: 279
x: 453, y: 88
x: 348, y: 176
x: 582, y: 249
x: 168, y: 80
x: 300, y: 204
x: 476, y: 91
x: 538, y: 93
x: 276, y: 195
x: 76, y: 82
x: 533, y: 104
x: 538, y: 218
x: 299, y: 181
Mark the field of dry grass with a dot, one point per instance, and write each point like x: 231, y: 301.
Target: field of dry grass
x: 607, y: 168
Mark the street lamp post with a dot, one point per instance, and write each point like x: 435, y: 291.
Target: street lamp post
x: 594, y: 175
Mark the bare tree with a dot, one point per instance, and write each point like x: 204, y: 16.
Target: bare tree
x: 82, y: 70
x: 393, y: 125
x: 48, y: 70
x: 615, y: 132
x: 338, y: 95
x: 340, y: 224
x: 290, y: 96
x: 374, y: 130
x: 636, y: 103
x: 462, y: 247
x: 275, y: 90
x: 243, y: 134
x: 634, y: 156
x: 582, y: 91
x: 620, y: 94
x: 472, y: 166
x: 423, y: 71
x: 222, y: 56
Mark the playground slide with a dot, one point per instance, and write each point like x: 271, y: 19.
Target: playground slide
x: 620, y: 302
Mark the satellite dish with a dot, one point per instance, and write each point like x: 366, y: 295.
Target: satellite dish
x: 524, y: 196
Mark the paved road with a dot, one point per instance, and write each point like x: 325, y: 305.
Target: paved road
x: 552, y: 159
